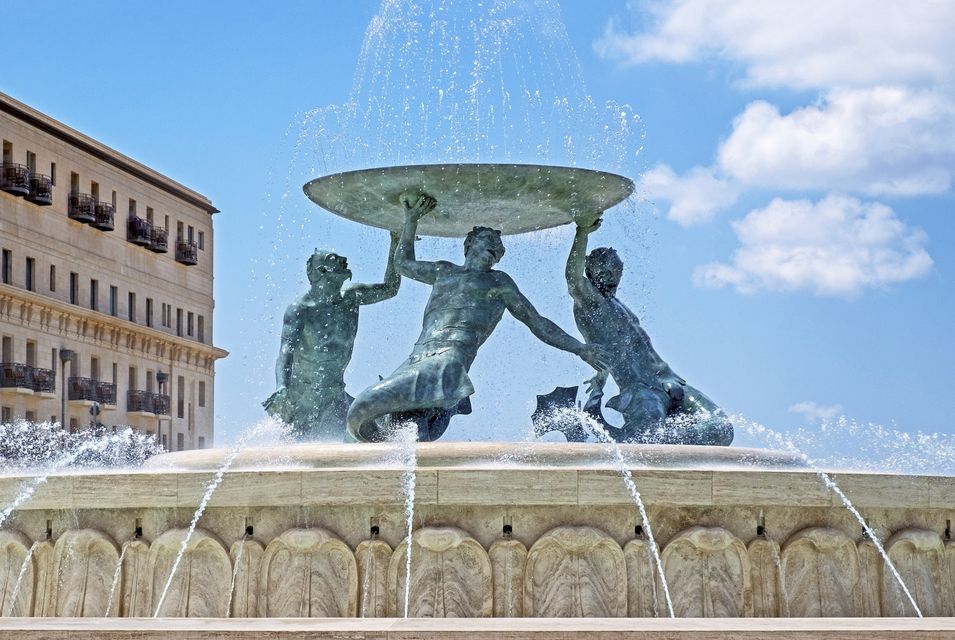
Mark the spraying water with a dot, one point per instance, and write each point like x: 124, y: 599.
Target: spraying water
x: 597, y: 430
x: 778, y: 440
x: 406, y: 437
x: 235, y: 572
x: 267, y: 426
x: 86, y: 449
x: 116, y: 576
x: 23, y: 569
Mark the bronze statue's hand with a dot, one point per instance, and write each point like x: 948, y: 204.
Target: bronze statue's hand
x: 596, y: 356
x: 596, y: 384
x: 588, y: 225
x: 417, y: 205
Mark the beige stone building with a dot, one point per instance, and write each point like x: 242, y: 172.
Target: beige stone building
x: 105, y: 287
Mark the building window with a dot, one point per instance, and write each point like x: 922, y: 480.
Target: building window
x: 149, y: 215
x: 190, y: 232
x: 180, y: 442
x: 202, y: 442
x: 31, y: 353
x: 149, y: 312
x: 94, y: 367
x: 30, y: 416
x: 7, y: 349
x: 179, y: 324
x: 94, y: 191
x: 113, y: 303
x: 74, y: 288
x: 179, y: 231
x: 201, y: 327
x: 31, y: 161
x: 74, y: 182
x: 180, y: 397
x: 6, y: 415
x: 52, y: 277
x: 190, y: 317
x: 53, y: 174
x: 31, y: 274
x: 132, y: 307
x: 7, y: 267
x: 132, y: 208
x: 202, y: 393
x: 202, y: 240
x: 94, y: 294
x: 132, y: 378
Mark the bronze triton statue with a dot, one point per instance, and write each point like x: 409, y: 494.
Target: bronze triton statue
x: 318, y: 337
x: 650, y: 391
x: 467, y: 301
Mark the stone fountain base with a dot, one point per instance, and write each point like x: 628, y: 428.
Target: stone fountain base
x: 745, y: 534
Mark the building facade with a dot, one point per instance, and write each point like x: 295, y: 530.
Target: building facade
x: 105, y: 287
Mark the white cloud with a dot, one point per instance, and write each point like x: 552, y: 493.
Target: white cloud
x: 805, y: 45
x: 813, y: 412
x: 880, y: 141
x: 694, y: 198
x: 837, y: 247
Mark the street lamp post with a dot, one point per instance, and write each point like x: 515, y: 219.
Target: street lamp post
x: 66, y: 355
x: 161, y: 377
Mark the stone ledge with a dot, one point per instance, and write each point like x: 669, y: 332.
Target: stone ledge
x: 498, y: 629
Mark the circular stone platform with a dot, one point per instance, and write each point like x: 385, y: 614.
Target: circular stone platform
x: 515, y: 198
x: 479, y: 455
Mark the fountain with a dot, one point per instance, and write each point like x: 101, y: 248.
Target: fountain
x: 636, y: 525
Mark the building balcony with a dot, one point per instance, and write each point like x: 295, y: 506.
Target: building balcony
x: 16, y: 377
x: 82, y: 207
x: 15, y: 179
x: 106, y: 393
x: 103, y: 212
x: 146, y: 403
x: 82, y: 390
x: 187, y: 252
x: 41, y: 190
x: 138, y: 231
x: 159, y: 240
x: 44, y: 382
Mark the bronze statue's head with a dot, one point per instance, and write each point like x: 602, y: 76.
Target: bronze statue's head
x: 324, y: 265
x: 484, y: 247
x: 604, y: 269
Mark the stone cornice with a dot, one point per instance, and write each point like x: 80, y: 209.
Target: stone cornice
x: 73, y: 322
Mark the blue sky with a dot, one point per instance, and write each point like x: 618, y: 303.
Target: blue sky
x: 793, y: 253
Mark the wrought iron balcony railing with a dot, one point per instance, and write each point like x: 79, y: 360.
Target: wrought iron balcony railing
x: 103, y: 212
x: 41, y: 189
x: 44, y: 380
x: 159, y: 240
x: 138, y: 231
x: 16, y: 375
x: 106, y: 393
x: 82, y: 389
x: 82, y: 207
x: 161, y: 404
x: 139, y: 401
x: 187, y: 252
x: 15, y: 179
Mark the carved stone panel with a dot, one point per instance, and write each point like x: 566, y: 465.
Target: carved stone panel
x: 645, y: 595
x: 450, y: 576
x: 136, y: 586
x: 766, y: 563
x: 575, y: 572
x: 868, y: 592
x: 200, y: 586
x: 373, y: 558
x: 708, y: 572
x: 919, y: 557
x: 15, y: 601
x: 246, y: 556
x: 43, y: 592
x: 508, y: 559
x: 84, y: 565
x: 308, y: 573
x: 820, y: 569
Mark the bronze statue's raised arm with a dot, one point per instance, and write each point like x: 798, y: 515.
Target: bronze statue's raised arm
x: 546, y: 330
x: 577, y: 284
x: 416, y: 207
x: 388, y: 288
